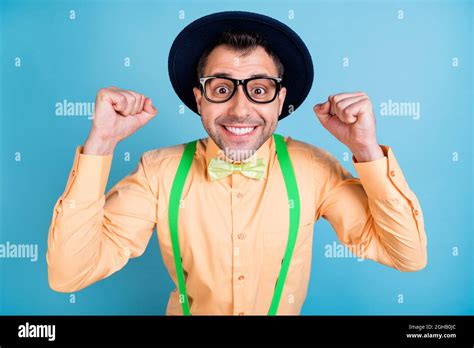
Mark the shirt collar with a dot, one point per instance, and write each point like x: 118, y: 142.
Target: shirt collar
x: 213, y: 151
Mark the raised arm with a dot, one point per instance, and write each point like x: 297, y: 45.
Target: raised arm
x: 93, y: 235
x: 376, y: 216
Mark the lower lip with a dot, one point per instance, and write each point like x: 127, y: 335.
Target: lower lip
x: 237, y: 136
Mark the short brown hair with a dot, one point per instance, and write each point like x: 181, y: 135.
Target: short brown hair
x: 244, y: 42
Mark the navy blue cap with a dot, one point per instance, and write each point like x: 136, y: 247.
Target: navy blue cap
x: 193, y: 40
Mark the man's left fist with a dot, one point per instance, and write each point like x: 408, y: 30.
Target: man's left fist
x: 349, y: 117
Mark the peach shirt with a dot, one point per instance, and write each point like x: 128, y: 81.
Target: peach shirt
x: 232, y: 232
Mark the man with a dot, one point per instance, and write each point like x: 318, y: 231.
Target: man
x: 234, y: 212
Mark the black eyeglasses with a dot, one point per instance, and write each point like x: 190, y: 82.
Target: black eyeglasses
x: 260, y: 90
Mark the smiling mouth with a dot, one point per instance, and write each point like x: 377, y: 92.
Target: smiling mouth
x: 240, y: 130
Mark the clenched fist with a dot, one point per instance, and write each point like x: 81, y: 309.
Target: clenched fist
x: 349, y: 117
x: 118, y: 113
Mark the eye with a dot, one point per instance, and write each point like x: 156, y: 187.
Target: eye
x: 258, y: 91
x: 222, y: 90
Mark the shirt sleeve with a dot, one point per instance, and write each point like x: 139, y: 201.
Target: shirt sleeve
x: 93, y: 235
x: 376, y: 216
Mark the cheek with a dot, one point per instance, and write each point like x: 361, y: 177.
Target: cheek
x: 209, y: 113
x: 269, y: 113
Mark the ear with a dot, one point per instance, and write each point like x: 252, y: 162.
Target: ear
x: 281, y: 99
x: 198, y: 96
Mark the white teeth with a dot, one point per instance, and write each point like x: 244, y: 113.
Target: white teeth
x: 240, y: 131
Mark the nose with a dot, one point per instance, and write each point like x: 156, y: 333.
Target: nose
x: 239, y: 104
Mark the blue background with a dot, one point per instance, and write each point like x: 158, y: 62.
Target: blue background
x: 406, y: 59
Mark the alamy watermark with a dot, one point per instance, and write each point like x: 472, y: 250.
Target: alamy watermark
x: 340, y: 251
x: 231, y: 155
x: 400, y: 109
x: 24, y: 251
x: 69, y: 108
x: 37, y: 331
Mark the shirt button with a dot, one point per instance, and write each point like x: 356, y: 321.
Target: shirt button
x: 417, y: 212
x: 241, y: 277
x: 239, y: 195
x: 392, y: 173
x: 241, y: 236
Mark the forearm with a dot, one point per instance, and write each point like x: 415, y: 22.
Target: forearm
x: 75, y: 234
x: 398, y: 225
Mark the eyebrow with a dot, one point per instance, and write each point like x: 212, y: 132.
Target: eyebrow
x: 224, y: 74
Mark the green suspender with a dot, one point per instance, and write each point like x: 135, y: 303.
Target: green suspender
x: 173, y: 214
x: 294, y: 211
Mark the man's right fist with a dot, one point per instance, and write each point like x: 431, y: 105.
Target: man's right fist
x: 118, y: 113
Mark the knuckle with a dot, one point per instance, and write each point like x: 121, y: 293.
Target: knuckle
x: 121, y: 98
x: 365, y: 102
x: 102, y: 91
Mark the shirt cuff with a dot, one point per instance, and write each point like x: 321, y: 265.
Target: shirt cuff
x: 383, y: 178
x: 88, y: 177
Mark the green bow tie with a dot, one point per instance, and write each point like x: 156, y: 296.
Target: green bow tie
x: 219, y: 168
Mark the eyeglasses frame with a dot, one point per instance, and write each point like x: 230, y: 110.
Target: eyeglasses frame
x: 243, y: 82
